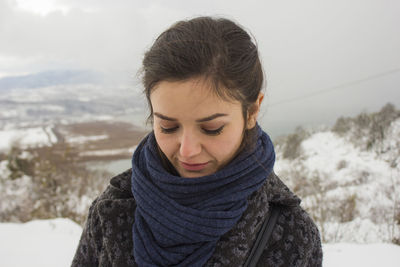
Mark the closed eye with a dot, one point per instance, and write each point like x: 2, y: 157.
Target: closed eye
x: 169, y: 130
x: 206, y: 131
x: 213, y: 132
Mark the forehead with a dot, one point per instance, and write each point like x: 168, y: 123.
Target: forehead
x: 193, y: 97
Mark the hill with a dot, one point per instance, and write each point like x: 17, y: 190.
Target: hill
x: 50, y: 78
x: 348, y: 176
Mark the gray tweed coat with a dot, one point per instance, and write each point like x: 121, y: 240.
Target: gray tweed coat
x: 107, y: 236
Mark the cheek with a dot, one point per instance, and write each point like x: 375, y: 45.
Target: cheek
x: 166, y: 144
x: 225, y: 147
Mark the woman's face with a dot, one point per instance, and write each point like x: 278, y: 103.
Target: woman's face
x: 197, y: 130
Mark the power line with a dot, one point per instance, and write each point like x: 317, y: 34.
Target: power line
x: 337, y: 87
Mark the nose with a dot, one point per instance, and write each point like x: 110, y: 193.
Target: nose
x: 190, y: 145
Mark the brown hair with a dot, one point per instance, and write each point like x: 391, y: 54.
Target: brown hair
x: 216, y: 49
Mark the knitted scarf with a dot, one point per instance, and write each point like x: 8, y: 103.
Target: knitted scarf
x: 178, y: 221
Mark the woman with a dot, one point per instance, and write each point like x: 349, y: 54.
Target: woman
x: 202, y: 182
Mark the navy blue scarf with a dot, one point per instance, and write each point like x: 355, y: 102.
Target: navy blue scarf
x: 178, y: 221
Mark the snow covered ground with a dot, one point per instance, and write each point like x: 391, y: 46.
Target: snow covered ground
x: 38, y: 243
x: 29, y: 137
x: 44, y: 243
x: 366, y: 255
x: 352, y: 191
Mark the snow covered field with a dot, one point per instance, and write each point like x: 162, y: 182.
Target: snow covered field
x: 366, y: 255
x: 53, y: 243
x: 38, y: 243
x: 29, y: 137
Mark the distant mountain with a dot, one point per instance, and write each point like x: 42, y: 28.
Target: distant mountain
x: 76, y: 96
x: 51, y: 78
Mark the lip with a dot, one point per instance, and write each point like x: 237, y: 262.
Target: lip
x: 193, y: 167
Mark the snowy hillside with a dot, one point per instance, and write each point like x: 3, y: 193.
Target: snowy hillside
x: 53, y: 243
x: 351, y: 186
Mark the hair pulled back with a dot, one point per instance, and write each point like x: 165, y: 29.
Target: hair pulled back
x: 216, y: 49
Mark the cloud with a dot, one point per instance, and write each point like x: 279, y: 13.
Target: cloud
x: 106, y: 38
x: 41, y: 7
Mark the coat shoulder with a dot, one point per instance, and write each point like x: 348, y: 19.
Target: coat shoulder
x: 106, y: 237
x: 295, y: 240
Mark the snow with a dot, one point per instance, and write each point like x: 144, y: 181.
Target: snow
x: 346, y: 171
x: 108, y: 152
x: 328, y: 150
x: 359, y: 230
x: 39, y: 243
x: 4, y: 171
x: 363, y: 173
x: 81, y: 139
x: 8, y: 113
x: 44, y: 243
x: 366, y: 255
x: 29, y: 137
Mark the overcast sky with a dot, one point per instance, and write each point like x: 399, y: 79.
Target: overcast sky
x: 351, y: 47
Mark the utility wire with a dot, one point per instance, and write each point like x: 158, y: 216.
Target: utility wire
x: 337, y: 87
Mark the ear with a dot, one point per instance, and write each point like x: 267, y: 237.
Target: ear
x: 253, y: 111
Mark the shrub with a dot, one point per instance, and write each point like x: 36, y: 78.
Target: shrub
x: 292, y: 148
x: 347, y: 209
x: 49, y: 183
x: 341, y: 164
x: 342, y: 125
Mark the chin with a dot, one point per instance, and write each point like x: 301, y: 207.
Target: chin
x: 193, y: 174
x: 187, y: 174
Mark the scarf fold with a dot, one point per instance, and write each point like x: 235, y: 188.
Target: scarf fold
x: 178, y: 221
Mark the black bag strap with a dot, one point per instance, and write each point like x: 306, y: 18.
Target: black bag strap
x: 263, y: 236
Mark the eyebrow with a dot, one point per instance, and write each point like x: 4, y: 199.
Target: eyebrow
x: 209, y: 118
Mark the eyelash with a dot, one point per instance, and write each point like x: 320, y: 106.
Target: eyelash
x: 168, y: 130
x: 208, y: 132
